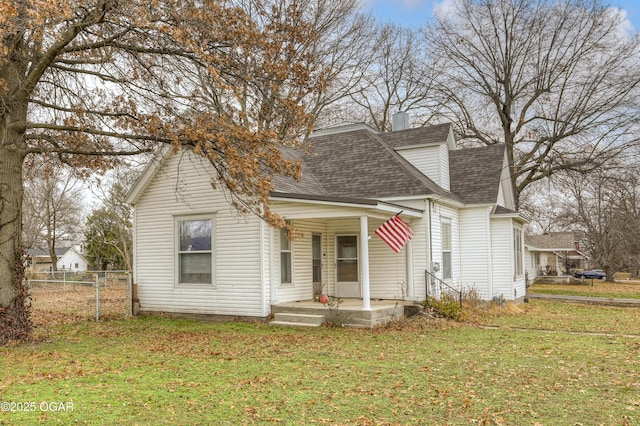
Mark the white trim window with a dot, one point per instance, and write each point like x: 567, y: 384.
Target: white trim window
x: 194, y: 241
x: 445, y: 230
x: 517, y: 252
x: 286, y: 256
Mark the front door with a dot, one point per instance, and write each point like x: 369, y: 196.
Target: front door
x: 347, y: 282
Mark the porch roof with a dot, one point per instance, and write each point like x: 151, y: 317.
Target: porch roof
x: 365, y: 203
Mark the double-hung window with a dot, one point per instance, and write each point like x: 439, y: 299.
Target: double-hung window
x: 445, y: 229
x: 195, y: 250
x: 517, y: 251
x: 286, y: 257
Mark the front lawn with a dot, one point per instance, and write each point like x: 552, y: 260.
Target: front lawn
x: 538, y: 363
x: 597, y: 288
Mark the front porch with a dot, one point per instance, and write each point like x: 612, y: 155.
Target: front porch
x: 346, y: 312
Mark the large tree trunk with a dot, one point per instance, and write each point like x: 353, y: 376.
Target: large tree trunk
x: 51, y: 245
x: 14, y: 309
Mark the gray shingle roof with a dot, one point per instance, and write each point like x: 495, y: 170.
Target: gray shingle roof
x: 503, y: 210
x: 363, y: 164
x: 552, y: 241
x: 358, y: 164
x: 308, y: 184
x: 45, y: 252
x: 419, y: 136
x: 475, y: 173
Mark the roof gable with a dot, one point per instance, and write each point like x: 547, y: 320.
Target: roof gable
x: 71, y: 253
x: 476, y: 173
x: 139, y: 186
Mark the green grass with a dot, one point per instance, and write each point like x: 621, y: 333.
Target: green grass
x: 622, y: 290
x: 163, y: 371
x: 564, y: 317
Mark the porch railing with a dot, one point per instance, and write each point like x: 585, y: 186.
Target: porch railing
x: 436, y: 288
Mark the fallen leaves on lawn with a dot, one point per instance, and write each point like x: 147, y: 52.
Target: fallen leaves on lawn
x: 58, y: 304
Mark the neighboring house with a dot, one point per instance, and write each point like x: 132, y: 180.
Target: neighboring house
x: 69, y: 259
x: 73, y: 260
x: 39, y: 260
x: 553, y: 253
x: 194, y: 254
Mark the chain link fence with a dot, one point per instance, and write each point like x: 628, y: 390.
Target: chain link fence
x: 63, y: 296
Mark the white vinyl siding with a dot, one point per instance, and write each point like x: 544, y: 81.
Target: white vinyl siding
x: 440, y: 213
x: 72, y: 261
x: 475, y: 248
x: 507, y: 282
x: 444, y: 167
x: 505, y: 195
x: 501, y: 200
x: 302, y: 260
x: 502, y: 244
x: 433, y: 161
x: 237, y: 274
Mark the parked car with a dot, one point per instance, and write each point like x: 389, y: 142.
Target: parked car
x: 593, y: 274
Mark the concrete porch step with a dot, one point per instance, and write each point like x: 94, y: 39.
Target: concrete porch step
x: 285, y: 319
x: 291, y: 324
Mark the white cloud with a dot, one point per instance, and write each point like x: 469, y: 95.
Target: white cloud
x: 444, y: 7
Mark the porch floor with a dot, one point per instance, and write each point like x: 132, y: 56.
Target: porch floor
x: 348, y: 312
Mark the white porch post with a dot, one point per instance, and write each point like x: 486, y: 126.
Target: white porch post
x: 411, y: 288
x: 364, y: 262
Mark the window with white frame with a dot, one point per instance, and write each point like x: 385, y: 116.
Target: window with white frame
x: 445, y: 230
x: 517, y: 251
x: 286, y: 257
x: 195, y: 250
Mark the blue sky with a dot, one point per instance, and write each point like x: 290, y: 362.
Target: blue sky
x: 416, y: 12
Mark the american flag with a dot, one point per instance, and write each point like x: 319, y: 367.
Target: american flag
x: 395, y: 233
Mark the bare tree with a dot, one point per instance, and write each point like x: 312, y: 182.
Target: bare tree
x: 92, y: 81
x: 398, y: 78
x: 556, y: 81
x: 53, y: 207
x: 542, y: 204
x: 605, y: 205
x: 109, y: 230
x: 344, y: 46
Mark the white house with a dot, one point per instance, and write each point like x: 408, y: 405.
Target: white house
x: 72, y: 260
x: 39, y: 260
x: 68, y: 259
x: 554, y: 253
x: 194, y: 254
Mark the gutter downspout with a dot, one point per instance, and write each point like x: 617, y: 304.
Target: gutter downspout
x: 426, y: 284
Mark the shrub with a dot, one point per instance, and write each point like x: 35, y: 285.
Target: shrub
x: 447, y: 306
